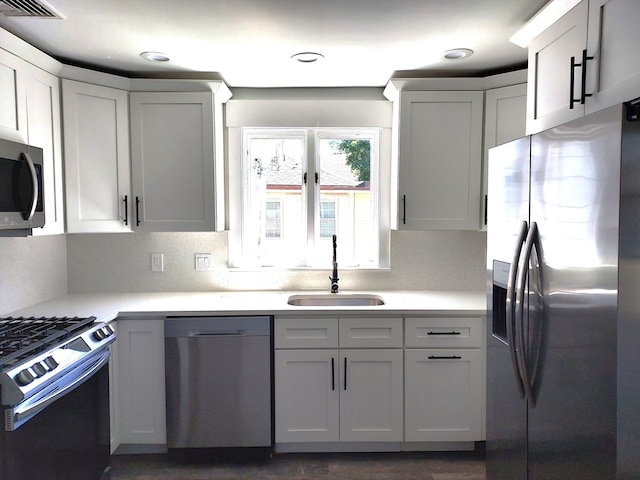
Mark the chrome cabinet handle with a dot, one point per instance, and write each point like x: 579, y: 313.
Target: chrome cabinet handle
x: 28, y: 215
x: 510, y: 307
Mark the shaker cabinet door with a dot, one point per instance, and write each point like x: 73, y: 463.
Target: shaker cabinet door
x: 613, y: 76
x: 307, y: 396
x: 553, y: 77
x: 371, y: 395
x: 172, y: 148
x: 443, y: 395
x: 440, y: 158
x: 97, y: 167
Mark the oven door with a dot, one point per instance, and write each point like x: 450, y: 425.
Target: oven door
x: 68, y: 438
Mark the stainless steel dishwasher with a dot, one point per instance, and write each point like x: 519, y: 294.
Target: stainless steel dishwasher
x: 218, y: 380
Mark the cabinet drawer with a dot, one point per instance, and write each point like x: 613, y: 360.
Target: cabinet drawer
x: 443, y: 332
x: 371, y: 332
x: 306, y: 333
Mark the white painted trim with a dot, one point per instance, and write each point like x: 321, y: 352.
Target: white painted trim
x: 29, y: 53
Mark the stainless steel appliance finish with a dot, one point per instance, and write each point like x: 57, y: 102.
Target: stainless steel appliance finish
x: 54, y: 391
x: 563, y: 302
x: 218, y: 380
x: 21, y: 188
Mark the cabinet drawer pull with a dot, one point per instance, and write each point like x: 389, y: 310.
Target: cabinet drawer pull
x: 444, y: 333
x: 452, y: 357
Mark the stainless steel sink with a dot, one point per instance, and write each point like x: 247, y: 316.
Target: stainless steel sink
x: 335, y: 300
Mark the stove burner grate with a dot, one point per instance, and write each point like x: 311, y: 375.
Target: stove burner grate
x: 22, y: 337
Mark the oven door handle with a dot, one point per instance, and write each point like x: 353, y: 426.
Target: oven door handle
x: 19, y: 414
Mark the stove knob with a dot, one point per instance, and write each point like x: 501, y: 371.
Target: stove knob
x: 111, y: 329
x: 99, y: 335
x: 39, y: 369
x: 106, y: 331
x: 51, y: 363
x: 24, y: 377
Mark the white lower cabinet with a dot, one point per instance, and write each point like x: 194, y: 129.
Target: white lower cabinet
x: 307, y: 400
x: 326, y: 394
x: 443, y: 395
x: 141, y: 384
x: 400, y: 383
x: 371, y: 395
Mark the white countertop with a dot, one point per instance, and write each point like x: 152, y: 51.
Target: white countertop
x: 108, y: 306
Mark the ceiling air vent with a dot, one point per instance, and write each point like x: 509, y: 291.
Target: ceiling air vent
x: 28, y: 8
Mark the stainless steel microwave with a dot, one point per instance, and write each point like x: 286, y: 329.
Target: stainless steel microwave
x: 21, y: 187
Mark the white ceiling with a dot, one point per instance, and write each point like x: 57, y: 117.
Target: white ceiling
x: 250, y: 42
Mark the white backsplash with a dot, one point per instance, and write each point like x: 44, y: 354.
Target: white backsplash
x: 122, y: 263
x: 32, y: 270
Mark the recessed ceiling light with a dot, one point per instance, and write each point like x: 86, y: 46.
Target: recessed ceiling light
x: 457, y: 54
x: 155, y: 56
x: 307, y: 57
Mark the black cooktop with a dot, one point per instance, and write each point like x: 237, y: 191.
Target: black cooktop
x: 21, y: 338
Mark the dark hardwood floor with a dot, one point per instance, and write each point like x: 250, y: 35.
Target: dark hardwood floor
x: 358, y: 466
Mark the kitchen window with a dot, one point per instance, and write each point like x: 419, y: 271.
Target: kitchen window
x: 302, y: 186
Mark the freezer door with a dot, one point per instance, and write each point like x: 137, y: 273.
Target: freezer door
x: 575, y: 174
x: 507, y: 224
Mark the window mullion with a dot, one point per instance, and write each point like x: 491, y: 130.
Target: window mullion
x: 312, y: 195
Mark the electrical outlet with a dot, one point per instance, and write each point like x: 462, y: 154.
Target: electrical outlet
x: 204, y: 261
x: 157, y: 262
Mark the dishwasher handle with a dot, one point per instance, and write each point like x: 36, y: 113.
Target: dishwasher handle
x: 219, y: 333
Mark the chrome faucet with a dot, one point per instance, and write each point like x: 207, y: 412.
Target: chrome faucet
x: 334, y: 276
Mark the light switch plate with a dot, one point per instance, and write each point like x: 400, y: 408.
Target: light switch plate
x: 157, y: 262
x: 204, y: 261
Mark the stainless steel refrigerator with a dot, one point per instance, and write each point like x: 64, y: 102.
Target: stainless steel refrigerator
x: 563, y: 340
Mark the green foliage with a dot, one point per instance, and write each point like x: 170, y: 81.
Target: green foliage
x: 358, y: 156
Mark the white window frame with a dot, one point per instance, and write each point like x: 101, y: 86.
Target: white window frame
x: 310, y: 196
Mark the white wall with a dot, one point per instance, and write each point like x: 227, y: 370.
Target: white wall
x: 32, y: 270
x: 122, y: 263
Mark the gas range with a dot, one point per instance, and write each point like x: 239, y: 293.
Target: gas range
x: 40, y: 357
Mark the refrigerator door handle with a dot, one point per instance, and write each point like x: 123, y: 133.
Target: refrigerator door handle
x: 521, y: 280
x: 511, y: 303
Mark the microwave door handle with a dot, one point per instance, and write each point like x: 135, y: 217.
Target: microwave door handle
x: 34, y: 178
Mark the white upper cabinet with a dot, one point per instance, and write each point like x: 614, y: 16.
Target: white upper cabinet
x: 30, y: 113
x: 44, y: 131
x: 439, y: 160
x: 172, y: 148
x: 584, y: 62
x: 13, y: 114
x: 97, y: 166
x: 613, y: 40
x: 505, y: 114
